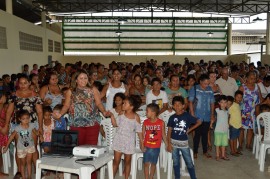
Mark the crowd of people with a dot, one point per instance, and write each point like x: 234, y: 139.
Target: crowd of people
x: 211, y: 98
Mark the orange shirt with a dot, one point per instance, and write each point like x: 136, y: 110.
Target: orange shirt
x: 153, y: 133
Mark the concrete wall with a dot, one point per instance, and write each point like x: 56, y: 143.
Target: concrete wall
x: 266, y: 59
x: 137, y: 59
x: 12, y: 59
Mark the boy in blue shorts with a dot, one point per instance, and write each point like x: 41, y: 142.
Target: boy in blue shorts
x: 153, y: 132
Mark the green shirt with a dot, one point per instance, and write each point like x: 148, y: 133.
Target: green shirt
x: 171, y: 93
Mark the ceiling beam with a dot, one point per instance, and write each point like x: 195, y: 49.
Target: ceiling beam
x: 141, y: 6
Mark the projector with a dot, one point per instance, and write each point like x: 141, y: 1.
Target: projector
x: 89, y: 151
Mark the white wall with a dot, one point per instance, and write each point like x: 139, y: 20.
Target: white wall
x: 137, y: 59
x: 12, y: 59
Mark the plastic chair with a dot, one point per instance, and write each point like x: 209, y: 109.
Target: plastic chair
x: 163, y: 153
x: 257, y: 137
x: 265, y: 144
x: 182, y: 164
x: 6, y: 161
x: 138, y: 155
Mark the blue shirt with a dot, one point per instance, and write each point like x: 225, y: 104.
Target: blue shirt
x: 60, y: 124
x: 204, y: 100
x: 180, y: 125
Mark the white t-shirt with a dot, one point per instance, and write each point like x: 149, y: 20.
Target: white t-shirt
x: 264, y: 90
x: 227, y: 87
x: 161, y: 99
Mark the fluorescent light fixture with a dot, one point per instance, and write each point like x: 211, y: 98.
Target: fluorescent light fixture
x: 118, y: 32
x: 210, y: 34
x: 122, y: 20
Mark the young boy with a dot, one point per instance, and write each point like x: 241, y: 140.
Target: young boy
x: 157, y: 96
x: 59, y: 123
x: 235, y: 120
x: 178, y: 130
x: 153, y: 131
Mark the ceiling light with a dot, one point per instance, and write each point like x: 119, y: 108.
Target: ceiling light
x: 122, y: 20
x: 257, y: 19
x: 210, y: 34
x: 118, y: 33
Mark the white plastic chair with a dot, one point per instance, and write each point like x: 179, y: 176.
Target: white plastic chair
x: 139, y: 155
x: 6, y: 161
x: 183, y: 171
x: 265, y: 144
x: 163, y: 153
x: 257, y: 137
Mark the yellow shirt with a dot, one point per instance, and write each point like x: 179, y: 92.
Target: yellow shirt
x: 235, y: 116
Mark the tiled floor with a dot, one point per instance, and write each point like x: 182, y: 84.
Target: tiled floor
x: 243, y: 167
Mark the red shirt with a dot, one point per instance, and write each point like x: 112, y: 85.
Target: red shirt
x: 153, y: 133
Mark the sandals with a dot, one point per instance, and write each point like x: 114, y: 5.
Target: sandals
x: 235, y: 154
x: 207, y: 155
x: 209, y: 148
x: 239, y: 153
x: 225, y: 158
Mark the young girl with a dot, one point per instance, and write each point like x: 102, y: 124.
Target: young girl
x: 34, y: 83
x: 48, y: 126
x: 24, y: 134
x: 153, y: 132
x: 222, y: 127
x: 128, y: 125
x: 118, y: 104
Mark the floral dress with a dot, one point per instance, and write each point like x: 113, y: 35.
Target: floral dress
x: 83, y: 110
x: 250, y: 100
x: 3, y: 138
x: 28, y: 104
x: 124, y: 140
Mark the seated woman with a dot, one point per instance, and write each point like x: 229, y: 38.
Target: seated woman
x: 50, y: 93
x: 138, y: 88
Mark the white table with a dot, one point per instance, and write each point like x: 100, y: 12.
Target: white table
x: 69, y: 166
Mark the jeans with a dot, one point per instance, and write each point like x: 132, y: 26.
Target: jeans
x: 188, y: 160
x: 201, y: 131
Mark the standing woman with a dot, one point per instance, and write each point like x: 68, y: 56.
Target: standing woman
x: 252, y: 97
x: 50, y: 93
x: 26, y: 99
x: 115, y: 86
x: 83, y: 104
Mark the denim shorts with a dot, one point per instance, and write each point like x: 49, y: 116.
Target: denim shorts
x: 234, y: 133
x: 151, y: 155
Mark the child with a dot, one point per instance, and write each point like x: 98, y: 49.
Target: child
x: 153, y: 132
x: 118, y: 104
x: 48, y: 126
x: 24, y: 134
x: 221, y: 129
x: 157, y: 96
x: 59, y: 123
x: 235, y: 121
x: 117, y: 108
x: 124, y: 141
x: 178, y: 130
